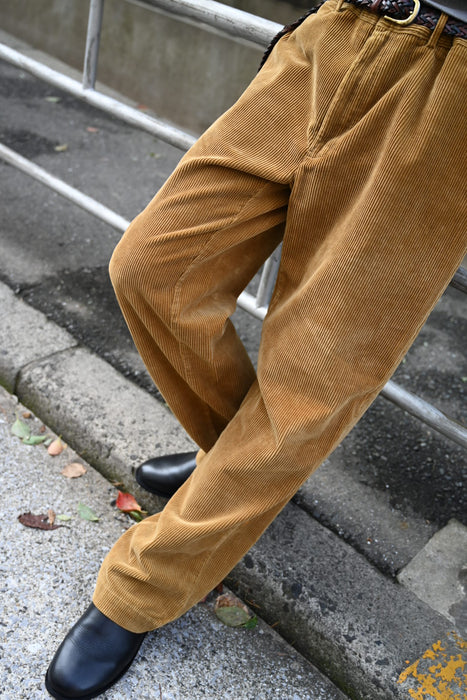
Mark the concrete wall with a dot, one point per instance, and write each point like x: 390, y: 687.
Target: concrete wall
x: 186, y: 73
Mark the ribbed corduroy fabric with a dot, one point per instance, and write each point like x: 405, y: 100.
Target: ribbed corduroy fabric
x: 350, y: 144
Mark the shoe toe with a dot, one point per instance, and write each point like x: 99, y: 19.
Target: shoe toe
x: 164, y: 475
x: 93, y: 656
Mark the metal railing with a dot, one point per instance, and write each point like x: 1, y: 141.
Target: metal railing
x: 236, y: 23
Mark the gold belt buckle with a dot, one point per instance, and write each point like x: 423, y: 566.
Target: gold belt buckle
x: 410, y: 18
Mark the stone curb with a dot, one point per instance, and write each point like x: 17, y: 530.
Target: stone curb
x: 359, y: 627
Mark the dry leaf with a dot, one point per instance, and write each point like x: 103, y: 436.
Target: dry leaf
x: 73, y: 470
x: 56, y: 447
x: 228, y: 600
x: 219, y: 589
x: 39, y: 522
x: 26, y: 414
x: 50, y: 516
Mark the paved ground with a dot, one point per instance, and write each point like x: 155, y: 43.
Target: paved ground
x: 324, y: 573
x: 47, y: 577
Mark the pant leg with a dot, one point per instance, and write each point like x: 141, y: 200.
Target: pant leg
x: 375, y: 230
x: 180, y: 267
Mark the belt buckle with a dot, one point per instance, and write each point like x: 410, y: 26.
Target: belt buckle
x: 409, y: 19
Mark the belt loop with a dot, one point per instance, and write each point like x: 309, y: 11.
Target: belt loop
x: 339, y: 5
x: 438, y: 30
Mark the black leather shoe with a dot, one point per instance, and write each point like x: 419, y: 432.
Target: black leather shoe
x: 95, y: 653
x: 164, y: 475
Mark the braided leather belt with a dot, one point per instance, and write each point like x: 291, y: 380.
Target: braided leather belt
x: 407, y: 12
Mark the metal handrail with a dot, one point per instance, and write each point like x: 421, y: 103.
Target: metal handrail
x: 54, y: 183
x: 130, y: 115
x: 236, y: 23
x: 239, y: 24
x: 427, y: 413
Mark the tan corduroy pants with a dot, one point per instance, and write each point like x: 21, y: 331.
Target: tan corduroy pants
x: 350, y: 144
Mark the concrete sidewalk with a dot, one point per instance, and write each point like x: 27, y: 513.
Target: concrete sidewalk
x: 47, y: 578
x: 373, y: 638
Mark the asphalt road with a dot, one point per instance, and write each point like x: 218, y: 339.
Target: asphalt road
x: 55, y: 256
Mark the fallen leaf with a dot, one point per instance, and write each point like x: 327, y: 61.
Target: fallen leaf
x: 137, y: 515
x: 233, y: 617
x: 228, y: 600
x: 52, y: 98
x: 63, y: 517
x: 50, y: 516
x: 20, y: 429
x: 73, y: 470
x: 86, y: 513
x: 61, y: 147
x: 56, y: 447
x: 232, y: 612
x: 127, y: 503
x: 251, y: 623
x: 39, y: 522
x: 35, y: 439
x: 26, y: 414
x: 219, y: 588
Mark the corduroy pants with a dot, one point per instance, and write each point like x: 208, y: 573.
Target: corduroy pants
x: 350, y: 146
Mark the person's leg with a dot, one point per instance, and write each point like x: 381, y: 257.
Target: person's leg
x: 375, y: 229
x: 208, y: 230
x: 180, y: 267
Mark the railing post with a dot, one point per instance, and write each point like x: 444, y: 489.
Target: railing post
x: 93, y: 37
